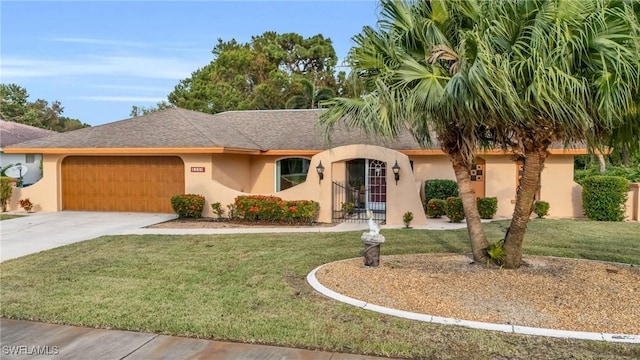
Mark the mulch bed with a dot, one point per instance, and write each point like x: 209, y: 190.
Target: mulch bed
x: 213, y: 223
x: 549, y: 292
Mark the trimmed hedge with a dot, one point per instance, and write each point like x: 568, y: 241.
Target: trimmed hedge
x: 488, y: 207
x: 631, y: 173
x: 188, y: 205
x: 604, y: 197
x: 454, y: 210
x: 436, y: 208
x: 439, y: 189
x: 274, y: 209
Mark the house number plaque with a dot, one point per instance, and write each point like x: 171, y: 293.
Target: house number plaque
x: 198, y: 169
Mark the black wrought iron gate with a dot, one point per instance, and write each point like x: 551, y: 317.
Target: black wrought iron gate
x: 351, y: 205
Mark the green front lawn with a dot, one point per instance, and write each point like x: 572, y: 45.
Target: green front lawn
x: 252, y: 288
x: 8, y: 216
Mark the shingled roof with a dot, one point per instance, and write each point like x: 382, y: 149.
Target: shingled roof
x: 179, y: 128
x: 13, y: 133
x: 252, y: 130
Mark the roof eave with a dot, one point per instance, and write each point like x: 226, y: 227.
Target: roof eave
x: 232, y: 150
x: 128, y: 151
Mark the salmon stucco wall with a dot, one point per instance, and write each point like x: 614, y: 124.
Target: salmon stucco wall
x: 633, y: 202
x: 229, y: 175
x: 500, y: 176
x: 231, y: 170
x: 431, y: 167
x: 210, y: 183
x: 500, y: 182
x: 44, y: 194
x: 263, y: 170
x: 401, y: 197
x: 558, y: 188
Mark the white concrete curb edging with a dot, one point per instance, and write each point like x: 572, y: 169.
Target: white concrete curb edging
x: 517, y: 329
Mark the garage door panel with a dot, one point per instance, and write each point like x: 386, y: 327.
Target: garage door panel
x: 125, y: 183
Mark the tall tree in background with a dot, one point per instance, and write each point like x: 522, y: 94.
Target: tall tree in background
x: 15, y: 106
x: 261, y: 74
x: 143, y: 110
x: 311, y: 98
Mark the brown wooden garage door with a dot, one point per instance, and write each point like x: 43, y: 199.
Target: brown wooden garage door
x: 121, y: 183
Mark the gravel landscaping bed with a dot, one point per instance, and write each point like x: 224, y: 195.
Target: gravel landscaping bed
x: 548, y: 292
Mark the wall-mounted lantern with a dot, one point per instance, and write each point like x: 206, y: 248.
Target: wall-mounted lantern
x: 396, y: 171
x: 320, y: 170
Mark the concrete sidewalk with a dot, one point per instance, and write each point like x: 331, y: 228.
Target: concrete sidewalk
x: 34, y: 341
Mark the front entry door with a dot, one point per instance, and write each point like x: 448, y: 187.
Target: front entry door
x: 376, y: 184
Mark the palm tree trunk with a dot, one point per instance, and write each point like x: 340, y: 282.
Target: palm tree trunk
x: 477, y: 237
x: 625, y: 154
x: 602, y: 163
x: 525, y: 197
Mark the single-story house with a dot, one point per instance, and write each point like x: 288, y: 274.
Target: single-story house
x: 13, y: 133
x: 138, y: 164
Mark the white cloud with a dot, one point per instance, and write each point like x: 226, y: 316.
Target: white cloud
x: 116, y: 66
x: 120, y: 98
x: 171, y: 46
x: 135, y: 88
x: 108, y: 42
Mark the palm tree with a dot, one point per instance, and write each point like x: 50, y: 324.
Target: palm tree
x: 515, y: 74
x: 311, y: 97
x: 416, y: 72
x: 567, y: 72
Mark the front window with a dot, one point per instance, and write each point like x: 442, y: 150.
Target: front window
x: 291, y: 172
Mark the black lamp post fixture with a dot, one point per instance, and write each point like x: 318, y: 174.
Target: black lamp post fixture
x: 396, y: 171
x: 320, y: 170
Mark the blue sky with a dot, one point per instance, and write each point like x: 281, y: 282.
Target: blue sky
x: 98, y: 58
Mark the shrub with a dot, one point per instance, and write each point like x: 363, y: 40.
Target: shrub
x: 259, y: 207
x: 26, y: 204
x: 301, y: 211
x: 604, y: 197
x: 273, y: 208
x: 487, y: 207
x: 233, y: 211
x: 497, y: 252
x: 453, y: 209
x: 217, y: 209
x: 188, y: 205
x: 407, y: 218
x: 631, y: 173
x: 436, y: 208
x: 440, y: 189
x: 541, y: 209
x: 348, y: 208
x: 6, y: 190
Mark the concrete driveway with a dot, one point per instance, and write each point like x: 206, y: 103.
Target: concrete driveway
x: 47, y: 230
